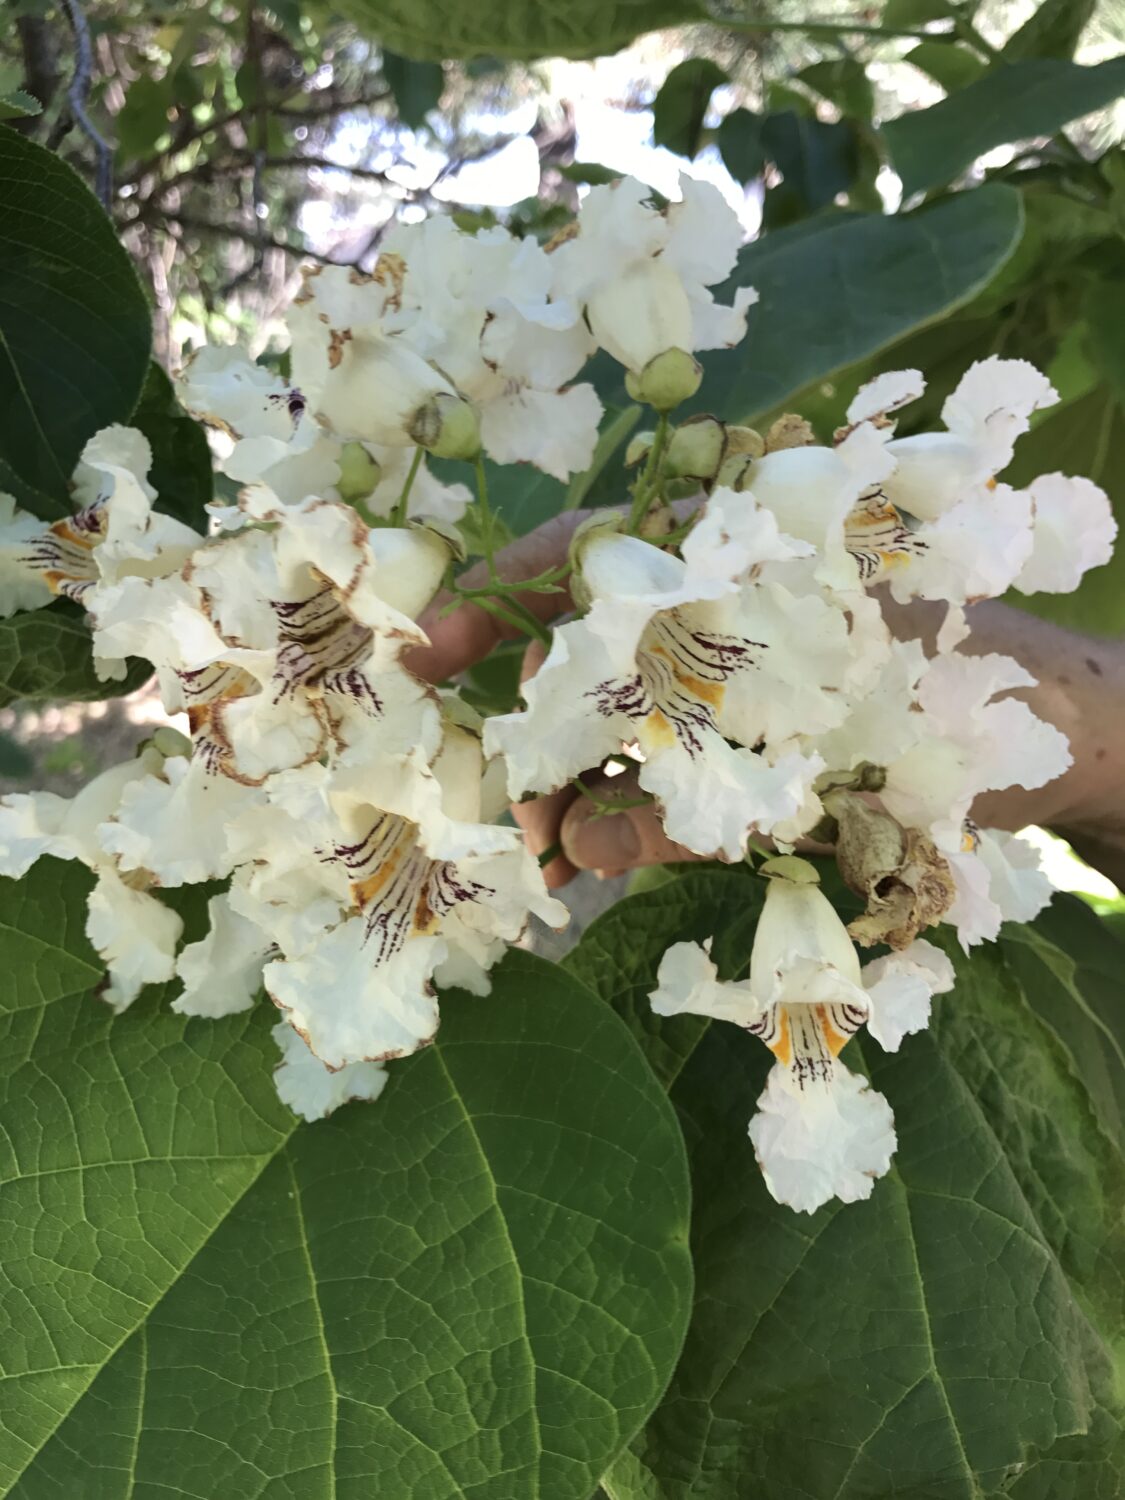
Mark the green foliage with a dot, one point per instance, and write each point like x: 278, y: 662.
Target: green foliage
x: 844, y: 287
x: 1051, y: 31
x: 681, y: 105
x: 143, y: 118
x: 740, y: 143
x: 417, y: 87
x: 528, y: 29
x: 844, y: 1354
x: 480, y: 1286
x: 47, y: 653
x: 181, y: 470
x: 817, y: 160
x: 952, y: 67
x: 843, y: 81
x: 908, y: 13
x: 16, y: 104
x: 74, y: 326
x: 1010, y: 103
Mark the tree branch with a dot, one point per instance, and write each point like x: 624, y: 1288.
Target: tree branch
x: 77, y: 93
x: 193, y: 225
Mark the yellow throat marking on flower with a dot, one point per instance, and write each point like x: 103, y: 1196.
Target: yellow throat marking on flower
x: 656, y: 732
x: 806, y: 1038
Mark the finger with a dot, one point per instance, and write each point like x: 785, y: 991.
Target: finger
x: 541, y: 821
x: 469, y: 633
x: 613, y: 842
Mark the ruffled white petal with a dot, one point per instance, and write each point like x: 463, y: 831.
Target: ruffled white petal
x: 21, y: 586
x: 314, y: 1091
x: 899, y: 988
x: 554, y: 430
x: 174, y: 826
x: 351, y: 1009
x: 831, y: 1140
x: 688, y: 982
x: 136, y: 935
x: 1073, y: 531
x: 222, y: 973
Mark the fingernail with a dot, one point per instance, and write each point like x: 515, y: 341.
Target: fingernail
x: 605, y: 843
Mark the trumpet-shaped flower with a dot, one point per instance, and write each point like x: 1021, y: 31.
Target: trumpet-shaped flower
x: 479, y: 308
x: 820, y: 1132
x: 684, y: 656
x: 359, y: 374
x: 642, y: 275
x: 116, y: 533
x: 408, y: 839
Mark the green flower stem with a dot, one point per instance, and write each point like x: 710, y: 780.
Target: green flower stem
x: 605, y: 807
x: 648, y: 483
x: 398, y: 515
x: 486, y: 518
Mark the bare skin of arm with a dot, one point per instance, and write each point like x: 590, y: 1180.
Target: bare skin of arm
x: 1081, y: 690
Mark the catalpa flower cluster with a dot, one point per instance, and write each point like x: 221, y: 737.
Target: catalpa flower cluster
x: 728, y: 636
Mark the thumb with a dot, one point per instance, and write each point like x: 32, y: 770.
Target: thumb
x: 617, y: 841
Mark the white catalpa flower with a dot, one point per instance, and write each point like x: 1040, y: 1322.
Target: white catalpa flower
x: 133, y: 932
x: 990, y: 409
x: 283, y: 456
x: 683, y: 656
x: 968, y: 744
x: 998, y: 879
x: 939, y: 526
x: 425, y: 878
x: 115, y: 533
x: 358, y: 373
x: 820, y: 1131
x: 479, y: 308
x: 312, y: 1090
x: 642, y: 275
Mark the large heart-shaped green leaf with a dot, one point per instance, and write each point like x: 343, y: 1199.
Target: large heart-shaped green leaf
x: 1011, y: 102
x: 478, y: 1286
x: 438, y: 29
x: 75, y: 329
x: 954, y: 1332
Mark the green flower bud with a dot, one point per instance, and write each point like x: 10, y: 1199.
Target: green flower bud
x: 696, y: 449
x: 168, y: 741
x: 666, y: 380
x: 789, y: 867
x: 359, y: 473
x: 447, y: 427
